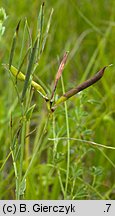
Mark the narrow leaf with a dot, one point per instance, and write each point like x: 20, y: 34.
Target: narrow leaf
x: 80, y: 87
x: 29, y: 112
x: 59, y: 73
x: 24, y: 41
x: 22, y: 187
x: 29, y: 34
x: 14, y: 44
x: 29, y: 69
x: 39, y: 28
x: 20, y: 67
x: 47, y: 31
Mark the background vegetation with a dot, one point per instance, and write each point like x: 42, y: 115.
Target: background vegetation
x: 67, y: 168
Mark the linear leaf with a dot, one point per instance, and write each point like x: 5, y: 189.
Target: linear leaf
x: 47, y: 31
x: 29, y: 112
x: 14, y: 44
x: 29, y: 69
x: 23, y: 60
x: 39, y: 28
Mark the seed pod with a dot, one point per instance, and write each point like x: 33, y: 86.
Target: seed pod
x: 19, y: 75
x: 59, y: 73
x: 79, y: 88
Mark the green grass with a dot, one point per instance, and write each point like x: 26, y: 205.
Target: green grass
x: 64, y: 155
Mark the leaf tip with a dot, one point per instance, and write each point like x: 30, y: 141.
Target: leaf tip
x: 18, y: 25
x: 43, y: 4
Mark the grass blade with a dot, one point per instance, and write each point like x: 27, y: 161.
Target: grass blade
x: 29, y: 34
x: 23, y: 42
x: 47, y: 31
x: 39, y: 28
x: 20, y: 66
x: 14, y: 44
x: 95, y: 28
x: 29, y: 69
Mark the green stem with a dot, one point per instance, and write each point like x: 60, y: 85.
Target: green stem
x: 54, y: 136
x: 16, y: 175
x: 68, y: 144
x: 54, y: 156
x: 23, y: 134
x: 35, y: 152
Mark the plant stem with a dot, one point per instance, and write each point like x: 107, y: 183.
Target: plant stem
x: 55, y: 141
x: 35, y: 152
x: 23, y: 135
x: 68, y: 143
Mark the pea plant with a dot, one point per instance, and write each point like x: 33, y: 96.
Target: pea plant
x: 31, y: 57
